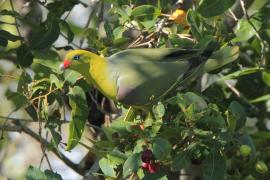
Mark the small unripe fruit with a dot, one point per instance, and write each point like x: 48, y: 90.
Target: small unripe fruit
x: 245, y: 150
x: 261, y: 167
x: 147, y: 156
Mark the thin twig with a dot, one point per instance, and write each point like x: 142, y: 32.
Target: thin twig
x: 61, y: 121
x: 91, y: 15
x: 97, y: 104
x: 64, y: 36
x: 233, y: 15
x: 28, y: 120
x: 9, y: 76
x: 145, y: 44
x: 35, y: 136
x: 233, y: 89
x: 16, y: 22
x: 240, y: 95
x: 262, y: 42
x: 10, y: 128
x: 94, y: 169
x: 44, y: 95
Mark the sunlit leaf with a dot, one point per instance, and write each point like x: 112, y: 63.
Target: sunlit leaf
x: 79, y: 113
x: 132, y: 164
x: 107, y: 168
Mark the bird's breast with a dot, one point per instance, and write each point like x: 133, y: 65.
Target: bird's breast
x: 104, y: 78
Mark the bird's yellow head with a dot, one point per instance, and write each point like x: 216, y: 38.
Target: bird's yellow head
x: 78, y: 60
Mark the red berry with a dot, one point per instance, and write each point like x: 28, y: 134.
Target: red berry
x: 152, y: 168
x: 145, y: 165
x: 147, y: 156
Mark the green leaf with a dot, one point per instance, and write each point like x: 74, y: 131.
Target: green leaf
x: 159, y: 110
x: 214, y: 121
x: 121, y: 126
x: 244, y: 30
x: 116, y: 157
x: 9, y: 36
x: 260, y: 99
x: 159, y: 175
x: 209, y: 8
x: 52, y: 175
x: 107, y: 168
x: 24, y: 56
x: 180, y: 41
x: 49, y: 59
x: 18, y: 99
x: 145, y: 11
x: 56, y: 139
x: 161, y: 148
x: 47, y: 37
x: 266, y: 78
x: 194, y: 22
x: 180, y: 161
x: 24, y: 81
x: 236, y: 116
x: 70, y: 34
x: 54, y: 80
x: 214, y: 166
x: 118, y: 32
x: 146, y: 15
x: 242, y: 72
x: 79, y: 114
x: 109, y: 30
x: 262, y: 134
x: 34, y: 173
x: 185, y: 100
x: 125, y: 12
x: 132, y: 164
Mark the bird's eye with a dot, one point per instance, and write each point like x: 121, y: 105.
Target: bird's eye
x: 76, y: 57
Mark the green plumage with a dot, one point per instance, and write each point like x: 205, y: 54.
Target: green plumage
x: 139, y: 77
x: 145, y: 75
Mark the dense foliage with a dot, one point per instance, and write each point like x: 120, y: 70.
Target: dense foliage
x: 219, y: 122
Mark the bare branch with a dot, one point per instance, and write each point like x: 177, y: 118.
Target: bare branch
x: 19, y: 127
x: 10, y: 128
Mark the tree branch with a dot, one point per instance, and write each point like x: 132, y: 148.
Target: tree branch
x: 19, y: 127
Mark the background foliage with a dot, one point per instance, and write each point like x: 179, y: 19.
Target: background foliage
x: 218, y: 124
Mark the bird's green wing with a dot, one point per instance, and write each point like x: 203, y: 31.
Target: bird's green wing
x: 154, y: 54
x: 146, y: 74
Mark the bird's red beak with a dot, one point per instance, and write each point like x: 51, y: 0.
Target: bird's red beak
x: 65, y: 64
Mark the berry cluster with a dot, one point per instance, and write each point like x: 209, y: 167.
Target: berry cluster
x: 148, y: 161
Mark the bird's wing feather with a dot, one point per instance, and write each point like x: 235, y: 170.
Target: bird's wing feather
x: 146, y: 74
x: 155, y: 54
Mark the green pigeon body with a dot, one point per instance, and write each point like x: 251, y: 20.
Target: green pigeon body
x: 138, y: 77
